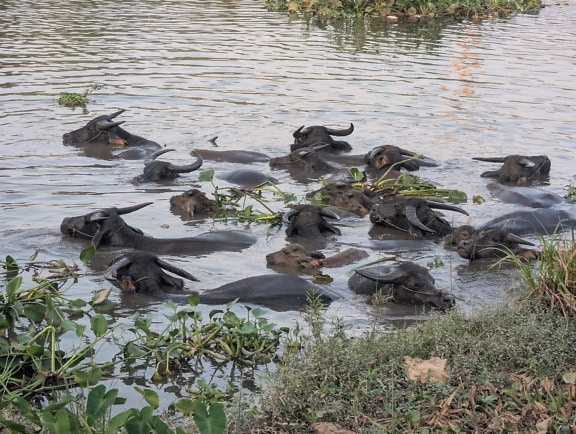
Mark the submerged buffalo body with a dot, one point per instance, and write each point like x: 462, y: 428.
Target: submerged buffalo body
x: 105, y: 227
x: 532, y: 197
x: 233, y: 156
x: 304, y: 163
x: 103, y: 134
x: 518, y: 169
x: 405, y: 282
x: 414, y: 216
x: 320, y: 136
x: 145, y: 274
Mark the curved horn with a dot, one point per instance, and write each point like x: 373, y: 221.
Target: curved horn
x: 155, y: 155
x: 189, y: 167
x: 106, y: 124
x: 394, y: 274
x: 115, y: 266
x: 328, y: 214
x: 119, y: 112
x: 344, y: 132
x: 490, y: 160
x: 319, y: 146
x: 129, y: 209
x: 171, y: 268
x: 288, y: 216
x: 298, y: 133
x: 440, y: 205
x: 413, y: 219
x: 512, y: 238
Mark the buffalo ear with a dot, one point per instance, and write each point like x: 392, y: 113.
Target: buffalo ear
x: 99, y: 236
x: 490, y: 174
x: 317, y: 255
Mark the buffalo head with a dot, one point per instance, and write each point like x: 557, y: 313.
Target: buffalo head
x: 461, y: 233
x: 319, y: 135
x: 194, y: 202
x: 383, y: 158
x: 295, y: 256
x: 104, y: 130
x: 143, y: 273
x: 495, y: 243
x: 305, y: 159
x: 518, y: 169
x: 405, y: 282
x: 90, y: 225
x: 413, y: 215
x: 309, y: 221
x: 163, y: 170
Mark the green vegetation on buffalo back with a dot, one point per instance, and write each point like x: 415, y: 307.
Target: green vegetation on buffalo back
x: 405, y: 8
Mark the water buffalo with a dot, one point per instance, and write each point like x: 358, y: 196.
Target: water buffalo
x: 295, y: 256
x: 527, y: 196
x: 103, y: 134
x: 383, y: 158
x: 461, y: 233
x: 162, y: 170
x: 413, y: 215
x: 106, y: 227
x: 306, y: 164
x: 343, y: 195
x: 405, y: 282
x: 518, y: 169
x: 495, y: 243
x: 319, y: 136
x: 309, y: 222
x: 194, y: 203
x: 144, y: 273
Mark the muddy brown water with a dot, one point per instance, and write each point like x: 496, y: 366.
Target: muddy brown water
x: 188, y: 71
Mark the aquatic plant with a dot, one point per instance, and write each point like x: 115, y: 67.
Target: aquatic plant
x: 74, y: 99
x: 412, y: 9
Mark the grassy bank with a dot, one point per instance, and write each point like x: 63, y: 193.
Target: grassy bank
x: 405, y: 8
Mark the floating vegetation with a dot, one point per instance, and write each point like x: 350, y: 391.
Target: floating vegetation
x: 411, y: 9
x: 73, y: 99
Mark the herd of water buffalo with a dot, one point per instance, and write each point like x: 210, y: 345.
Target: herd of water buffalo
x: 314, y: 154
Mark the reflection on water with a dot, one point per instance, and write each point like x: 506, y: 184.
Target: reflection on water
x: 188, y: 71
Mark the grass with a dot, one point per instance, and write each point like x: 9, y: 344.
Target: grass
x: 404, y: 8
x: 74, y: 99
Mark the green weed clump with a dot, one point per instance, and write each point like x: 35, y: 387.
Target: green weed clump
x: 552, y: 280
x: 408, y: 8
x: 74, y: 99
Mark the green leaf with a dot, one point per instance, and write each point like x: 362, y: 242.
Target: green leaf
x: 35, y: 312
x: 88, y: 377
x: 257, y: 312
x: 63, y: 402
x: 356, y: 174
x: 13, y: 426
x: 119, y: 421
x: 99, y: 324
x: 150, y: 396
x: 193, y: 300
x: 57, y: 423
x: 26, y: 409
x: 99, y: 401
x: 213, y: 423
x: 87, y: 254
x: 12, y: 286
x: 185, y: 406
x: 206, y: 175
